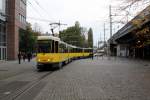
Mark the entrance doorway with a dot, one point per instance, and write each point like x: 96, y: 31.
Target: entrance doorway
x: 3, y: 53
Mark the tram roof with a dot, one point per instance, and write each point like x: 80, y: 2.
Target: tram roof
x: 48, y: 38
x: 58, y: 39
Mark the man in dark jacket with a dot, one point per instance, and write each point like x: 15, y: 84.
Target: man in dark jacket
x: 24, y: 56
x: 29, y: 55
x: 92, y: 56
x: 19, y: 57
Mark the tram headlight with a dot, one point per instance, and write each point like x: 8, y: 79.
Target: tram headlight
x: 39, y: 59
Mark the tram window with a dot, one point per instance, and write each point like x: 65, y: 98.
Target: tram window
x: 0, y: 54
x: 45, y: 46
x: 85, y: 50
x: 76, y: 50
x: 70, y: 49
x: 80, y: 50
x: 3, y: 50
x: 64, y: 48
x: 56, y: 46
x: 73, y: 50
x: 61, y: 48
x: 53, y: 46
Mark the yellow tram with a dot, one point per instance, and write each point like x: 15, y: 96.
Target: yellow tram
x: 52, y: 51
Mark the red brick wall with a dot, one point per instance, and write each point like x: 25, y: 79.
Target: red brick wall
x: 13, y: 26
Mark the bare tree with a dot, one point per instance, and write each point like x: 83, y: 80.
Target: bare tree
x: 37, y: 28
x: 129, y: 3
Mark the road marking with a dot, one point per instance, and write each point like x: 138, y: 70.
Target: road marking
x: 3, y: 70
x: 146, y: 65
x: 7, y: 93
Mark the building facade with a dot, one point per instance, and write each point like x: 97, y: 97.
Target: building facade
x: 13, y: 18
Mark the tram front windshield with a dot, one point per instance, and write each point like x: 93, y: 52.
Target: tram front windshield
x: 44, y: 46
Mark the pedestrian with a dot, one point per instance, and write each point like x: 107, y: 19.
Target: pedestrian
x: 24, y: 56
x: 29, y: 55
x: 19, y: 57
x: 91, y: 56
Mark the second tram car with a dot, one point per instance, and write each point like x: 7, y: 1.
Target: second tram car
x: 52, y: 51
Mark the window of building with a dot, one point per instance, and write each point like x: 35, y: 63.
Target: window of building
x: 2, y: 34
x: 3, y: 49
x: 3, y: 53
x: 22, y: 18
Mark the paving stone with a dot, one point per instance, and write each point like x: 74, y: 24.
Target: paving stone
x: 114, y: 79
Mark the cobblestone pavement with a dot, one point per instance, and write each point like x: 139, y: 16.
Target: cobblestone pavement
x: 114, y: 79
x: 87, y: 79
x: 16, y: 78
x: 12, y: 68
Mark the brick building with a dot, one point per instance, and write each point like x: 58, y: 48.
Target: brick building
x: 13, y: 17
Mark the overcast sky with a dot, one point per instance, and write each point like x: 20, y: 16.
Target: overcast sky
x: 90, y: 13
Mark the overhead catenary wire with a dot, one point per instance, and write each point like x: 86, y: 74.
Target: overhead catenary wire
x: 31, y: 5
x: 53, y: 23
x: 39, y: 19
x: 38, y: 12
x: 37, y: 3
x: 42, y: 8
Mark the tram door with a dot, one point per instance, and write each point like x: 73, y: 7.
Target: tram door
x: 2, y: 53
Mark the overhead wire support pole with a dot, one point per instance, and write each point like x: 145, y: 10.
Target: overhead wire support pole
x: 104, y: 32
x: 110, y: 18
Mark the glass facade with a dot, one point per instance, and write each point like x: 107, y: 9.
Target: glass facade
x: 3, y: 49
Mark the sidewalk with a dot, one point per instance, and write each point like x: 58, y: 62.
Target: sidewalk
x: 124, y: 59
x: 12, y: 68
x: 6, y: 62
x: 13, y: 61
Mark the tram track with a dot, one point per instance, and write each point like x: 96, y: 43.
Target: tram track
x: 25, y: 89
